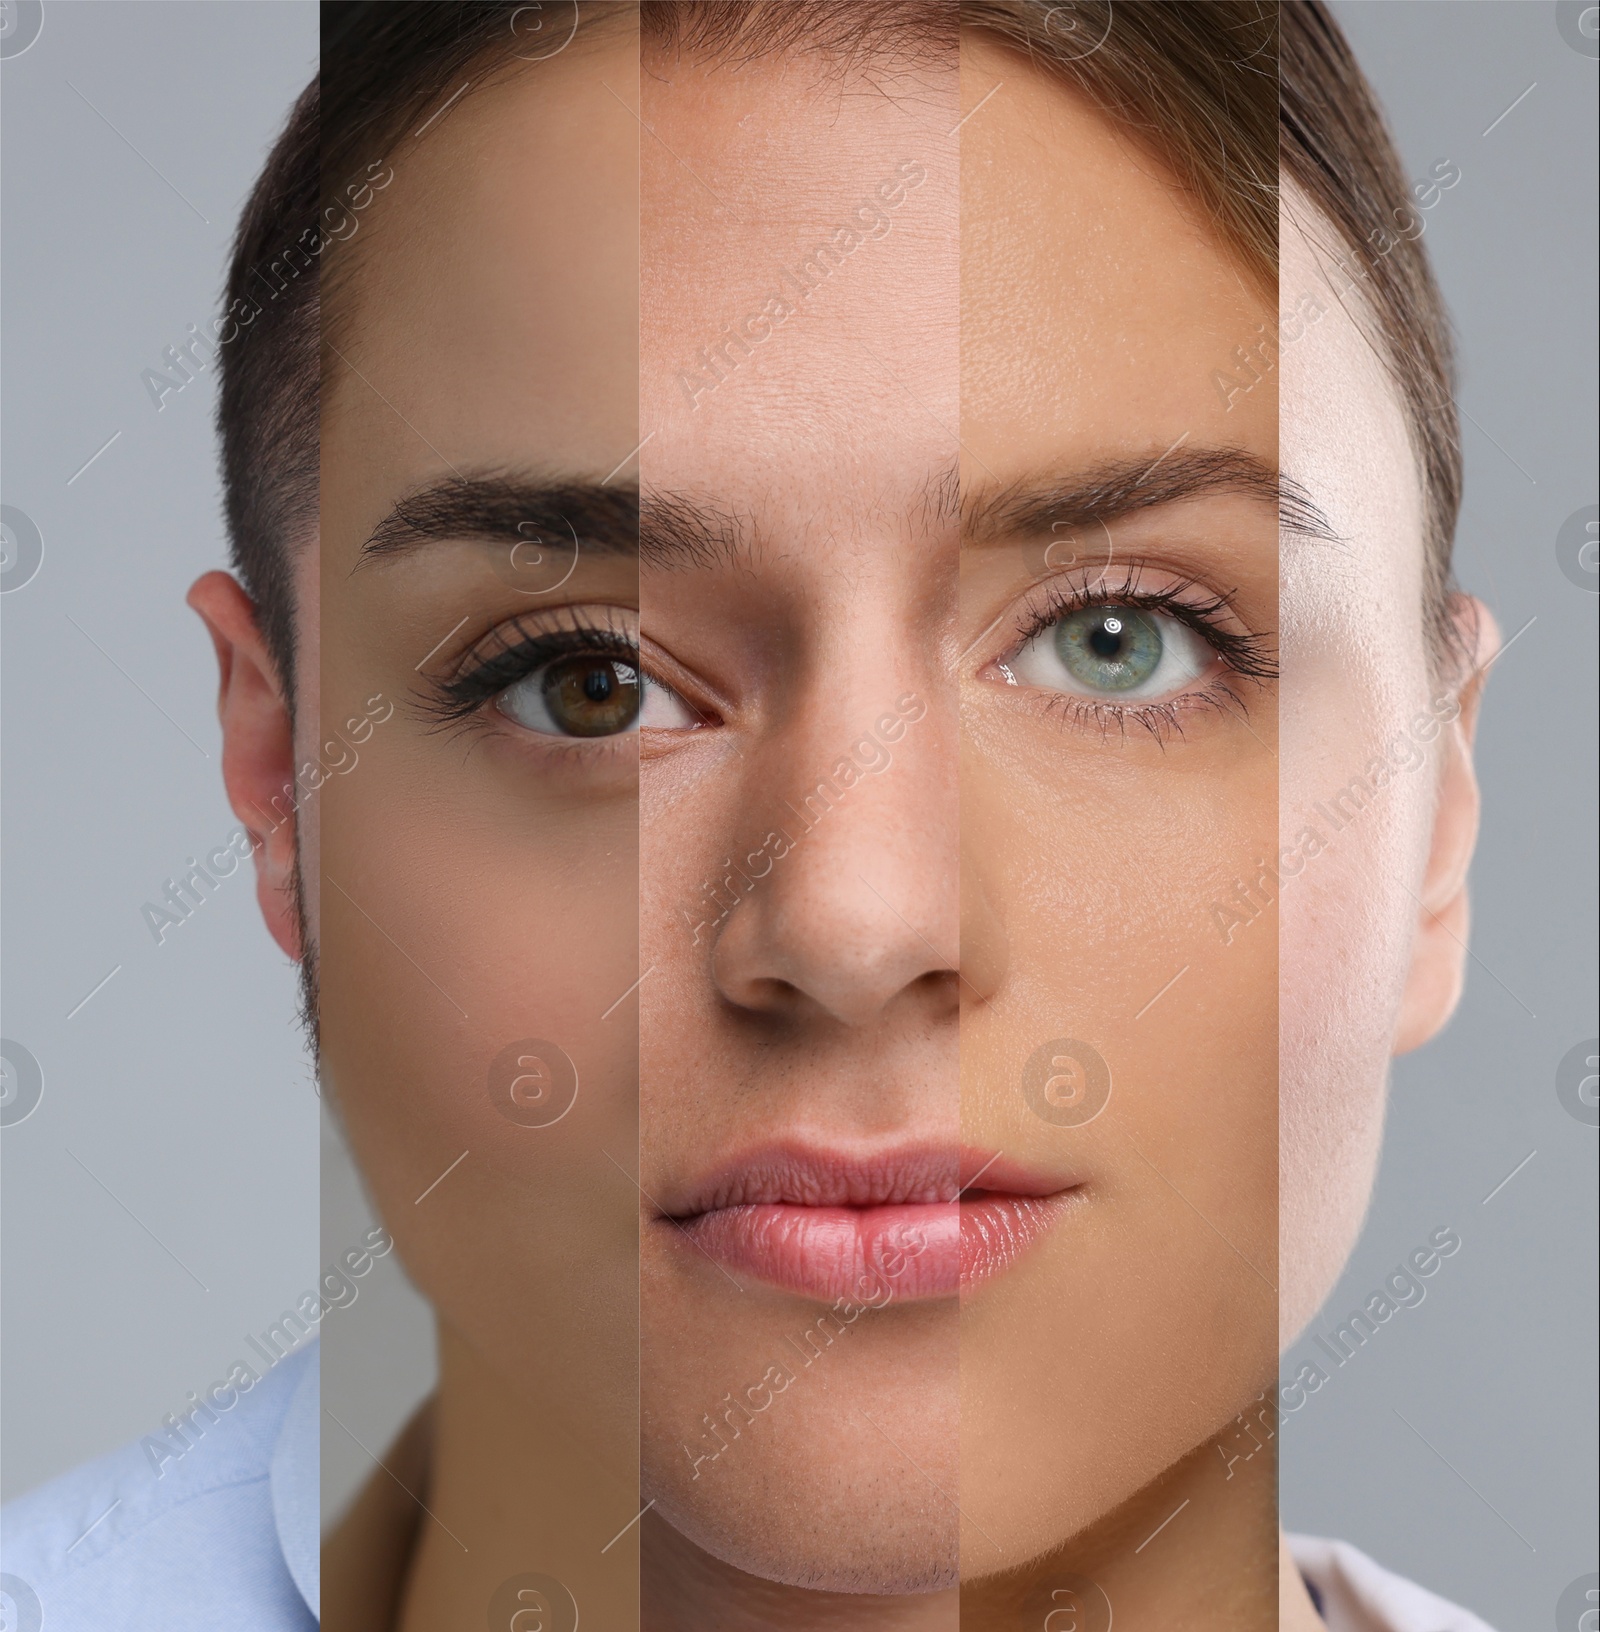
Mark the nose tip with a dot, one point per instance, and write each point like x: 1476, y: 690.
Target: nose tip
x: 852, y: 962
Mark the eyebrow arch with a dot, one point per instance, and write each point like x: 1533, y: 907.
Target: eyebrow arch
x: 498, y: 507
x: 1121, y: 487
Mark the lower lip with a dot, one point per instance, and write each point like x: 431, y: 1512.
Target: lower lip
x: 997, y: 1229
x: 874, y: 1255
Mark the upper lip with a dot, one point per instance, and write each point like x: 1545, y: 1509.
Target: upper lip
x: 798, y: 1174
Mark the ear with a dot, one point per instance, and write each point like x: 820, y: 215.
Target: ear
x: 1439, y: 952
x: 257, y: 747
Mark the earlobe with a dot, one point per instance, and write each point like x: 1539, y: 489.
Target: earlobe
x: 1439, y: 951
x: 257, y: 747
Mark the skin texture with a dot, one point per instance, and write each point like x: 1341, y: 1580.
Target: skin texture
x: 823, y: 1006
x: 1375, y: 924
x: 1108, y: 1382
x: 1378, y: 797
x: 1096, y: 848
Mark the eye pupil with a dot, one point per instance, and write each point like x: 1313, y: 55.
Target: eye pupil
x: 1109, y: 651
x: 591, y: 695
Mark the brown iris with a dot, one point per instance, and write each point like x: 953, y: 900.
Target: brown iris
x: 591, y: 696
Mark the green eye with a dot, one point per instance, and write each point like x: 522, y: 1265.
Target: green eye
x: 1112, y: 652
x: 1109, y: 648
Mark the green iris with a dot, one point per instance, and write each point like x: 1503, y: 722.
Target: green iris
x: 1109, y: 648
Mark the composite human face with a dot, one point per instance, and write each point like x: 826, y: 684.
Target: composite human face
x: 804, y: 1132
x: 913, y: 796
x: 1119, y: 792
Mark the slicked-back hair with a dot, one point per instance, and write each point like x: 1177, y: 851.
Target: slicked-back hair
x: 267, y: 419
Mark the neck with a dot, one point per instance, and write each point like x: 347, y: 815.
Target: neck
x: 1198, y: 1548
x: 518, y: 1486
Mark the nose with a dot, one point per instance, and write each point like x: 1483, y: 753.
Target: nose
x: 854, y: 913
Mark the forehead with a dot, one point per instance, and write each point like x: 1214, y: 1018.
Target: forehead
x: 1344, y: 431
x: 799, y: 266
x: 1345, y: 442
x: 492, y: 306
x: 1097, y: 306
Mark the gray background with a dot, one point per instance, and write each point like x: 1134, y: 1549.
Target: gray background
x: 181, y: 1087
x: 1495, y: 1370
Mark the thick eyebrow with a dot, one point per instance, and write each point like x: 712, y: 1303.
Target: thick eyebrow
x: 1120, y: 487
x: 498, y: 508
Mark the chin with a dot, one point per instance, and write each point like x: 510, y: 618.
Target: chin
x: 861, y: 1548
x: 833, y: 1507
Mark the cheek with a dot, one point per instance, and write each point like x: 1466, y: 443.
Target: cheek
x: 1356, y: 807
x: 1136, y: 916
x: 466, y: 967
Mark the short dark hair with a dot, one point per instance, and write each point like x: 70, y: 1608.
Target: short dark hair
x: 382, y: 64
x: 267, y: 400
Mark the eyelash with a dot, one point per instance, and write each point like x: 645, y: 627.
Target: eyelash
x: 512, y: 653
x: 1247, y: 657
x: 518, y: 651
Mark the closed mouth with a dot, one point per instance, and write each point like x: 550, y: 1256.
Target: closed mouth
x: 876, y: 1228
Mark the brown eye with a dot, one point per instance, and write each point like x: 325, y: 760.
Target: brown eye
x: 586, y: 695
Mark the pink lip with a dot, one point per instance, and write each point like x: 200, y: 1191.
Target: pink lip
x: 893, y: 1226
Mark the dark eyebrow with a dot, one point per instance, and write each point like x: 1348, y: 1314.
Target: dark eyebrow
x: 679, y: 530
x: 497, y: 508
x: 1300, y: 516
x: 1120, y: 487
